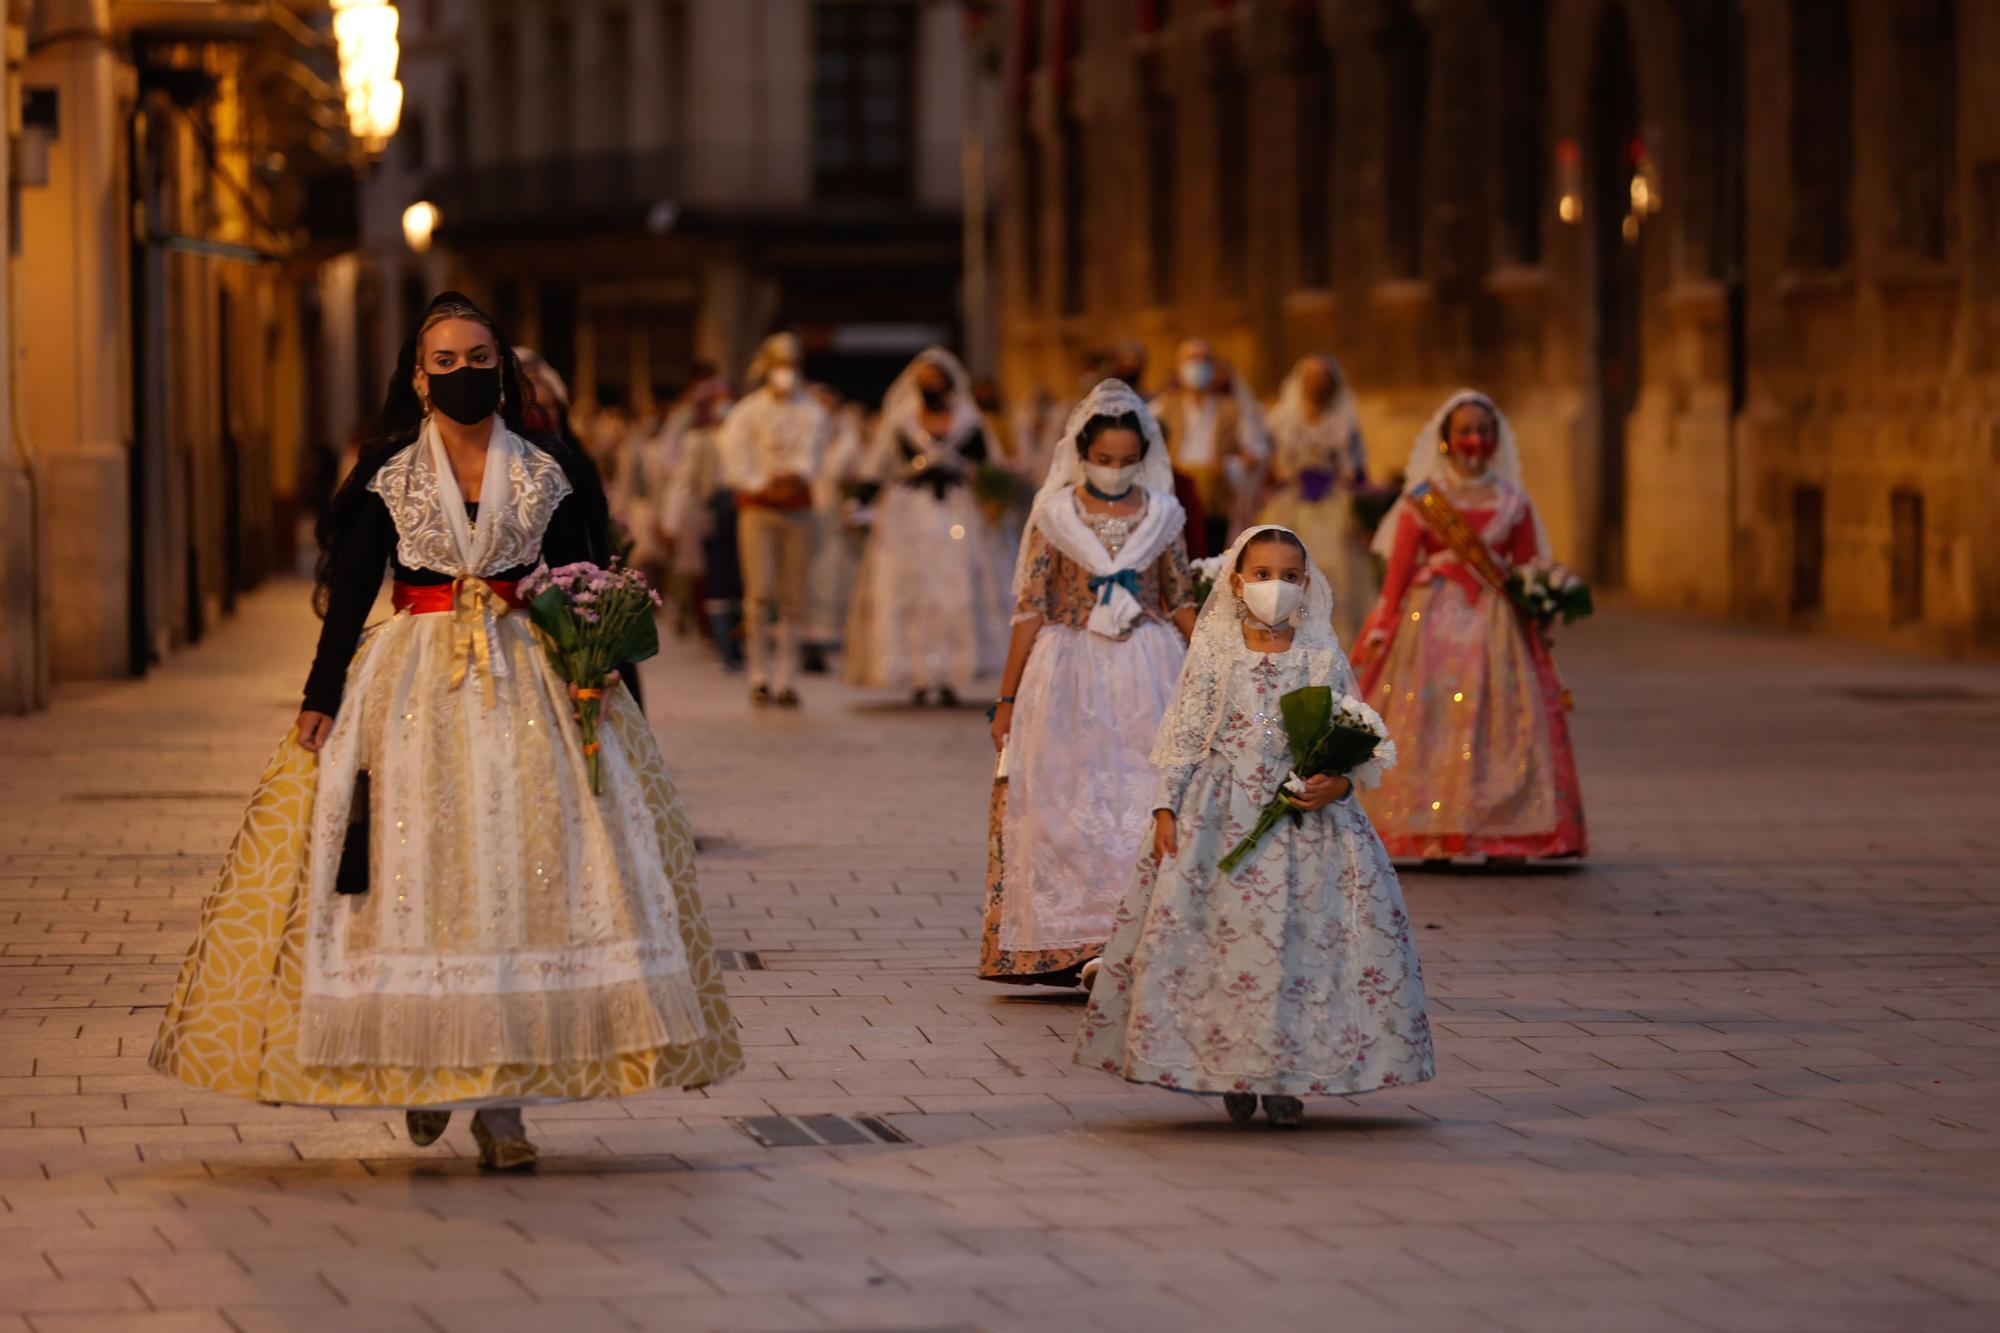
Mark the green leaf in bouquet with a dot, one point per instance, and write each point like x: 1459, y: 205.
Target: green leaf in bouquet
x: 1344, y: 749
x: 550, y: 612
x: 642, y: 640
x: 1308, y: 712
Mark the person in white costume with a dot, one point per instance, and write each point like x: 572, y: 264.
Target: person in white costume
x: 1318, y: 461
x: 1295, y: 974
x: 772, y: 444
x: 926, y: 613
x: 1104, y: 602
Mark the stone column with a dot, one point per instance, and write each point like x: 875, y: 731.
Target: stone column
x: 73, y: 236
x: 24, y: 645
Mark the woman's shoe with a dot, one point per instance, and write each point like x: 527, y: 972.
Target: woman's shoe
x: 1284, y: 1112
x: 503, y: 1141
x: 1087, y: 976
x: 760, y: 696
x: 1242, y: 1106
x: 788, y: 698
x: 426, y: 1127
x: 947, y: 697
x: 918, y: 698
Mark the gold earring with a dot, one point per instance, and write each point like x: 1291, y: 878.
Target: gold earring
x: 1444, y: 446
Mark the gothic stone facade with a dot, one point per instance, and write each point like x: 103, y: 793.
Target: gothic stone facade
x: 1731, y: 266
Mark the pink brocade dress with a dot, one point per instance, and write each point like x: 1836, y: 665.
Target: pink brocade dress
x: 1470, y: 693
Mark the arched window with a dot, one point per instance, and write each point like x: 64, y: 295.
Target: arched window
x: 1232, y: 171
x: 1924, y: 164
x: 1313, y: 143
x: 1712, y: 82
x: 1523, y: 81
x: 1822, y: 233
x: 1403, y: 45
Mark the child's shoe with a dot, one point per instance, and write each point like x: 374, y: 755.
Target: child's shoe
x: 1086, y: 977
x: 1284, y: 1112
x: 1242, y: 1106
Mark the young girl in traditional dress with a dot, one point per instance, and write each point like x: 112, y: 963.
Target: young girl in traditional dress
x: 926, y: 611
x: 1467, y: 685
x: 496, y: 935
x: 1103, y: 606
x: 1317, y: 463
x: 1296, y: 974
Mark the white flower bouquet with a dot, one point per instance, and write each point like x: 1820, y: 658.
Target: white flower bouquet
x: 1335, y: 736
x: 1544, y: 591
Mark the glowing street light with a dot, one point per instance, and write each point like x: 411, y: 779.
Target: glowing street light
x: 419, y: 221
x: 365, y: 33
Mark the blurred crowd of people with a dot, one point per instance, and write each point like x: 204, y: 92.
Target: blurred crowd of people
x: 798, y: 530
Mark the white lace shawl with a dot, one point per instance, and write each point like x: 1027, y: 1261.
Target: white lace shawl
x: 1188, y: 731
x: 1427, y: 464
x: 519, y: 492
x: 1329, y: 441
x: 1055, y: 517
x: 902, y: 419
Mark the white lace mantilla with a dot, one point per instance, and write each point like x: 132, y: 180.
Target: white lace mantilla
x: 520, y: 491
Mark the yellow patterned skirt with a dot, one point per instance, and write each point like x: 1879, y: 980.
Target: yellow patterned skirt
x: 233, y: 1023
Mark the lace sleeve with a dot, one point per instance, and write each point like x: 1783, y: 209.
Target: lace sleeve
x: 1176, y: 579
x: 1174, y: 780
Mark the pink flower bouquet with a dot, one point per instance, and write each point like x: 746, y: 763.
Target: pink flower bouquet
x: 592, y: 621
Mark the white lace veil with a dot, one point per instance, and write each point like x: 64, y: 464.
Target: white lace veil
x: 1339, y: 419
x: 1111, y: 398
x: 1427, y: 462
x: 1188, y: 731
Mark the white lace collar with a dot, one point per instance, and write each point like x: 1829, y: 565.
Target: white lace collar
x: 520, y: 491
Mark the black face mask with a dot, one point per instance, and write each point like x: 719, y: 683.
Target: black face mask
x: 467, y: 395
x: 937, y: 400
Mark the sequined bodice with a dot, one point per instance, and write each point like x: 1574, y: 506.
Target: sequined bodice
x: 1111, y: 529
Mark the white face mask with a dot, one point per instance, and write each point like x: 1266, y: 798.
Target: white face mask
x: 782, y: 379
x: 1273, y: 601
x: 1197, y: 375
x: 1112, y: 481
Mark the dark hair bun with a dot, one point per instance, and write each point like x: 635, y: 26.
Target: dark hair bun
x: 1097, y: 425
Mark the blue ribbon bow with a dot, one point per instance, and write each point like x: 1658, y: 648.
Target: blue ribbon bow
x: 1128, y: 579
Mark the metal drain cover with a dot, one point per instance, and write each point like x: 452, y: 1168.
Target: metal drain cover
x: 819, y: 1131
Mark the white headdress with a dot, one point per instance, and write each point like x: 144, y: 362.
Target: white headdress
x: 900, y: 422
x: 1188, y: 731
x: 1054, y: 514
x: 1337, y: 424
x: 1427, y: 463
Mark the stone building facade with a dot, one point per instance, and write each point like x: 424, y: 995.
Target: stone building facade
x: 632, y: 185
x: 1730, y: 266
x: 169, y: 173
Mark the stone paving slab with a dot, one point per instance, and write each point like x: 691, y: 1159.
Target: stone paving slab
x: 1738, y: 1073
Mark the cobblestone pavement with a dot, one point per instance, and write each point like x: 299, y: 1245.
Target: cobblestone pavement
x: 1739, y: 1073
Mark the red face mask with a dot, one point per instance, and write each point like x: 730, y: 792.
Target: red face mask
x: 1475, y: 447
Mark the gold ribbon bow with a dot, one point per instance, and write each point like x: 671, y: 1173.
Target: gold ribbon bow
x: 472, y: 602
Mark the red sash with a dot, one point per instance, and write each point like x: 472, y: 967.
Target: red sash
x: 433, y: 598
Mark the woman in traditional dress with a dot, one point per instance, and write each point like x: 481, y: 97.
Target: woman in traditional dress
x: 1466, y: 684
x: 926, y: 610
x: 1296, y: 973
x: 426, y: 906
x: 1103, y: 606
x: 1317, y: 463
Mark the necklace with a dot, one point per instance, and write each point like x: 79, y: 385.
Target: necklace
x: 1096, y: 494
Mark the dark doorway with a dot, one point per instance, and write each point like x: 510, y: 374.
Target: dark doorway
x: 1616, y: 236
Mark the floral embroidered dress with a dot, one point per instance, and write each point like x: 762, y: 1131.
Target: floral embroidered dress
x: 1068, y: 820
x: 520, y: 940
x: 1471, y: 692
x: 1297, y: 973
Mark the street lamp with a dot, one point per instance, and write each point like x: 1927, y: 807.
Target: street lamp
x: 419, y: 221
x: 365, y: 32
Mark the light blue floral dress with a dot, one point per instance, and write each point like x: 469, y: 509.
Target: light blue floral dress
x: 1295, y: 975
